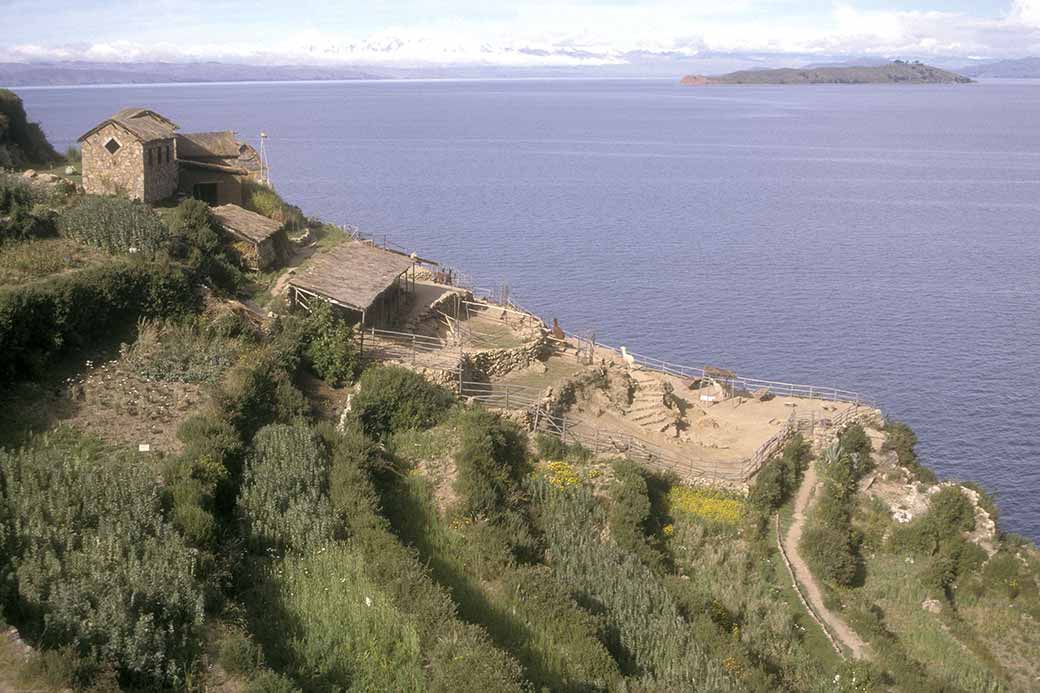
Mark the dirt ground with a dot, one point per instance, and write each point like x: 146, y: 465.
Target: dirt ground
x: 714, y: 437
x: 109, y: 401
x: 835, y: 624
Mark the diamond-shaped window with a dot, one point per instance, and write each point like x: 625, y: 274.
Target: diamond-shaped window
x: 112, y: 146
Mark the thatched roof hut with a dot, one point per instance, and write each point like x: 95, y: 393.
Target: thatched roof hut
x: 254, y: 233
x: 354, y: 275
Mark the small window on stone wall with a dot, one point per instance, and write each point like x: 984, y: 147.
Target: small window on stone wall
x: 112, y: 146
x: 167, y: 153
x: 149, y: 157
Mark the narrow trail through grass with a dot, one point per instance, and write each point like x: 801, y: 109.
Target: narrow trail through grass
x: 810, y: 587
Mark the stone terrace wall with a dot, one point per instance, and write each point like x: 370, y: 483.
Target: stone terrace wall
x: 495, y: 363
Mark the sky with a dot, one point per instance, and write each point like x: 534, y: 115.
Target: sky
x: 509, y: 32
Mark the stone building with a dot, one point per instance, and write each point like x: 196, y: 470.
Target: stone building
x: 139, y: 153
x: 214, y: 165
x: 133, y: 153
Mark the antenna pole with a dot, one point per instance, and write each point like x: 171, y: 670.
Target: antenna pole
x: 265, y: 164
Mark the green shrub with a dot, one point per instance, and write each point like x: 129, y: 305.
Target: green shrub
x: 901, y: 439
x: 1003, y: 573
x: 21, y: 142
x: 331, y: 352
x: 270, y: 682
x: 646, y: 631
x: 180, y: 351
x: 854, y: 441
x: 284, y: 500
x: 456, y: 656
x: 392, y: 398
x: 238, y: 654
x: 779, y: 478
x: 114, y: 224
x: 42, y: 319
x: 196, y: 240
x: 264, y: 200
x: 629, y: 513
x: 20, y: 219
x: 561, y: 639
x: 93, y: 562
x: 259, y: 391
x: 550, y: 447
x: 950, y: 512
x: 829, y: 552
x: 491, y: 463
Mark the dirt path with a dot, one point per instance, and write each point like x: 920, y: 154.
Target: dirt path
x: 810, y: 588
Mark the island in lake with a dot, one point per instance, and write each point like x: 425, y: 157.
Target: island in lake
x: 897, y: 72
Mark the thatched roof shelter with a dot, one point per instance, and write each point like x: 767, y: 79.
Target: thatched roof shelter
x: 204, y: 145
x: 245, y: 224
x: 352, y: 275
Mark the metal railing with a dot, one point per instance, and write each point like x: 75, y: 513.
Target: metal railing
x: 502, y: 395
x: 417, y: 349
x: 742, y: 383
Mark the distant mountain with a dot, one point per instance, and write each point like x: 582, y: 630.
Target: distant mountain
x: 73, y: 73
x: 1023, y: 68
x: 898, y: 72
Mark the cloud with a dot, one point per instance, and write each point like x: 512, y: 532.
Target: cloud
x: 543, y: 33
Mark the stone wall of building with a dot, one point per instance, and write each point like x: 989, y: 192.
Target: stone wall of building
x: 229, y: 186
x: 127, y: 171
x: 105, y: 173
x: 160, y: 170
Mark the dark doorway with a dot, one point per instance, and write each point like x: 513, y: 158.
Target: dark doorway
x: 207, y: 192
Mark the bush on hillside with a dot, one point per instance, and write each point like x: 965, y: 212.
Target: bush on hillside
x: 457, y: 656
x: 628, y: 516
x: 180, y: 351
x: 20, y: 217
x: 779, y: 478
x: 646, y: 630
x: 259, y: 391
x: 114, y: 224
x: 392, y: 398
x: 264, y: 200
x: 901, y: 439
x: 829, y: 552
x: 194, y: 239
x: 40, y: 320
x: 21, y: 143
x: 284, y: 500
x: 93, y: 562
x: 491, y: 462
x: 551, y: 448
x: 950, y: 512
x: 854, y: 441
x: 331, y: 352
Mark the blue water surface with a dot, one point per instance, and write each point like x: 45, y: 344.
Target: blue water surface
x: 875, y: 238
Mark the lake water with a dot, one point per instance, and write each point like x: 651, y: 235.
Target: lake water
x: 879, y: 238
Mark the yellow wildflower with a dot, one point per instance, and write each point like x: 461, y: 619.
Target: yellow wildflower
x: 706, y: 503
